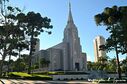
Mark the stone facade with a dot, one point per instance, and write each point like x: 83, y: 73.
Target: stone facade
x: 66, y: 55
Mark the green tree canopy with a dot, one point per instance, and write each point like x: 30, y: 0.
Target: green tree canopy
x: 114, y: 19
x: 33, y: 24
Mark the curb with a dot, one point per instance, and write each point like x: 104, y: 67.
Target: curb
x: 2, y: 82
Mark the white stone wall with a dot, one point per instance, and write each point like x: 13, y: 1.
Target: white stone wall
x: 84, y: 61
x: 55, y: 59
x: 38, y: 55
x: 70, y: 77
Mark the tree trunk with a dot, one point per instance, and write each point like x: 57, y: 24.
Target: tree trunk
x: 118, y: 64
x: 29, y: 64
x: 19, y: 69
x: 1, y: 67
x: 9, y: 64
x: 2, y: 62
x: 30, y: 55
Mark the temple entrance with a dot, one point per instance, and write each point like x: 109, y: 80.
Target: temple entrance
x: 77, y: 66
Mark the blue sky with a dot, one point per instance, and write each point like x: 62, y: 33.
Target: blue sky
x: 83, y: 14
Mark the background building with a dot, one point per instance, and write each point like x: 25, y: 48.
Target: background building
x: 37, y: 46
x: 99, y: 40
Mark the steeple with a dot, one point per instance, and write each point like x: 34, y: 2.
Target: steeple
x: 70, y: 18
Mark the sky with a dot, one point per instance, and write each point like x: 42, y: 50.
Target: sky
x: 83, y: 12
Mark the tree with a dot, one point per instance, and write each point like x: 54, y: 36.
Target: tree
x: 8, y: 31
x: 33, y: 24
x: 111, y: 17
x: 123, y: 32
x: 124, y: 65
x: 11, y: 61
x: 20, y: 63
x: 112, y: 65
x: 44, y: 62
x: 21, y: 45
x: 89, y: 65
x: 103, y: 59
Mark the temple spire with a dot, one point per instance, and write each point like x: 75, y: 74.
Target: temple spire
x: 70, y: 18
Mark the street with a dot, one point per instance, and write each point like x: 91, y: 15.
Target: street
x: 19, y: 81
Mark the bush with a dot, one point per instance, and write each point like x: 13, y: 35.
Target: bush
x: 42, y: 73
x: 61, y: 73
x: 65, y: 79
x: 38, y: 78
x: 58, y: 79
x: 50, y: 73
x: 112, y: 72
x: 105, y: 81
x: 71, y: 72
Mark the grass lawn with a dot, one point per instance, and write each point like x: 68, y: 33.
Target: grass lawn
x: 29, y: 76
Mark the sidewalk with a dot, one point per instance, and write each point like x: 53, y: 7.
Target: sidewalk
x: 14, y: 81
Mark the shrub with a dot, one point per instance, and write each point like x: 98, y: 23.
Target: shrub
x: 42, y: 73
x: 71, y: 78
x: 58, y: 79
x: 38, y: 78
x: 71, y: 73
x: 50, y: 73
x: 65, y: 78
x: 105, y: 81
x: 112, y: 72
x: 41, y: 77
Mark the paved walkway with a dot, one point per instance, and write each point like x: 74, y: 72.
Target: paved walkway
x: 13, y: 81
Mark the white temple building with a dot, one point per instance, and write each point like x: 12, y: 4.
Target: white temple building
x: 65, y: 56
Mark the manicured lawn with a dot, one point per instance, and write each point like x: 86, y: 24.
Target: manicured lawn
x: 19, y: 74
x: 29, y: 76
